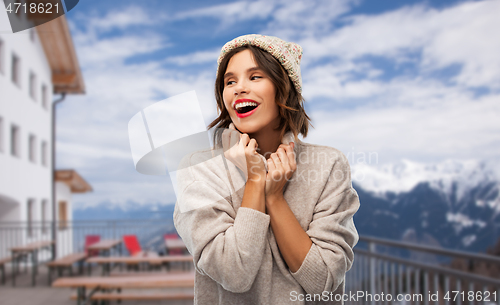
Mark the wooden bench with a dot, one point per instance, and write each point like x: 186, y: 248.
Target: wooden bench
x: 66, y: 262
x: 4, y: 261
x: 153, y: 260
x: 102, y: 286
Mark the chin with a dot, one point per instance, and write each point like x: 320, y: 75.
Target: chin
x: 247, y: 128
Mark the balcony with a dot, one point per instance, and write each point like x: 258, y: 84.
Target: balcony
x: 383, y: 272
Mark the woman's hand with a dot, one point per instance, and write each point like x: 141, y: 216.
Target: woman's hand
x: 232, y: 151
x: 281, y: 166
x: 242, y: 152
x: 255, y: 164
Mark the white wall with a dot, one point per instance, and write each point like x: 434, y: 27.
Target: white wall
x: 65, y: 236
x: 21, y: 179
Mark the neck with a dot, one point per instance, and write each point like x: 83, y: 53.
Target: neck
x: 268, y: 140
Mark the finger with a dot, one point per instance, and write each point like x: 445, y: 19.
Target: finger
x: 270, y: 165
x: 244, y: 139
x: 285, y: 162
x: 283, y: 156
x: 291, y: 155
x: 252, y: 146
x: 286, y: 167
x: 277, y: 161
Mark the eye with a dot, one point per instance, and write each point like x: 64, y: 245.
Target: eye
x: 255, y: 77
x: 230, y: 82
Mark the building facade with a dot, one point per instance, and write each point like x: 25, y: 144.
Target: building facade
x: 36, y: 66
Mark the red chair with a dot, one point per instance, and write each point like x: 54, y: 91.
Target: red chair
x: 90, y: 240
x: 172, y: 251
x: 171, y: 236
x: 132, y: 244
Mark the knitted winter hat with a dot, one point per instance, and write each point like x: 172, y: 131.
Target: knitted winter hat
x: 288, y: 54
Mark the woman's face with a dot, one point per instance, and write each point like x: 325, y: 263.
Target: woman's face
x: 249, y: 94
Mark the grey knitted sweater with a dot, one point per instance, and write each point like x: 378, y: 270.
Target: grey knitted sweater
x: 236, y: 256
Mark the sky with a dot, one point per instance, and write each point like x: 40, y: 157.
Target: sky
x: 394, y: 80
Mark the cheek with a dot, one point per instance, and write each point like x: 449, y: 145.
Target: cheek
x: 270, y: 92
x: 227, y: 99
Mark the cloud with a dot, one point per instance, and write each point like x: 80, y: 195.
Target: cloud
x: 285, y: 19
x: 232, y: 12
x: 115, y: 49
x: 120, y: 18
x: 334, y: 81
x: 457, y: 35
x: 402, y: 106
x: 199, y: 57
x: 405, y: 106
x: 102, y: 39
x: 294, y: 20
x: 92, y: 129
x: 460, y: 128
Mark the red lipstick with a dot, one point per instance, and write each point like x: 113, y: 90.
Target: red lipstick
x: 243, y: 115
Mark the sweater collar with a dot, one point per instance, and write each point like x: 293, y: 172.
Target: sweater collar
x: 287, y: 138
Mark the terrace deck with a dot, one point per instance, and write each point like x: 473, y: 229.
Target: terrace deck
x: 25, y: 294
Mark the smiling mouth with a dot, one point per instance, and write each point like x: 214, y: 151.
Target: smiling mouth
x: 246, y: 109
x: 245, y: 106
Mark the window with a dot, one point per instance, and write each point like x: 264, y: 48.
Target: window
x: 1, y: 134
x: 44, y: 216
x: 1, y: 56
x: 30, y: 210
x: 15, y: 144
x: 45, y: 98
x: 63, y: 215
x: 44, y: 153
x: 32, y: 148
x: 33, y: 86
x: 16, y: 70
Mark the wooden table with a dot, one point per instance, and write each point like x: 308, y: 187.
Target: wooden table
x: 29, y: 249
x: 105, y: 246
x: 66, y: 262
x: 154, y: 280
x: 134, y: 260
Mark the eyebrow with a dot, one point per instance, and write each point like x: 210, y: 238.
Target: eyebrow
x: 229, y: 74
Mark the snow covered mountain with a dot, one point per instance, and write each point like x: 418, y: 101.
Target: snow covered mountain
x: 454, y: 204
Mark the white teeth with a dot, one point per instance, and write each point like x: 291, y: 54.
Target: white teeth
x: 244, y: 104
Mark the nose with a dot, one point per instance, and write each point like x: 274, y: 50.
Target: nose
x: 241, y: 87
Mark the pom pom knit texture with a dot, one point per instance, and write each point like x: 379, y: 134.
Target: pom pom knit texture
x: 288, y: 54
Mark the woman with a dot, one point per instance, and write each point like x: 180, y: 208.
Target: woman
x: 286, y: 236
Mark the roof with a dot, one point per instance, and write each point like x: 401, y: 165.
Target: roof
x: 72, y: 179
x: 61, y: 55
